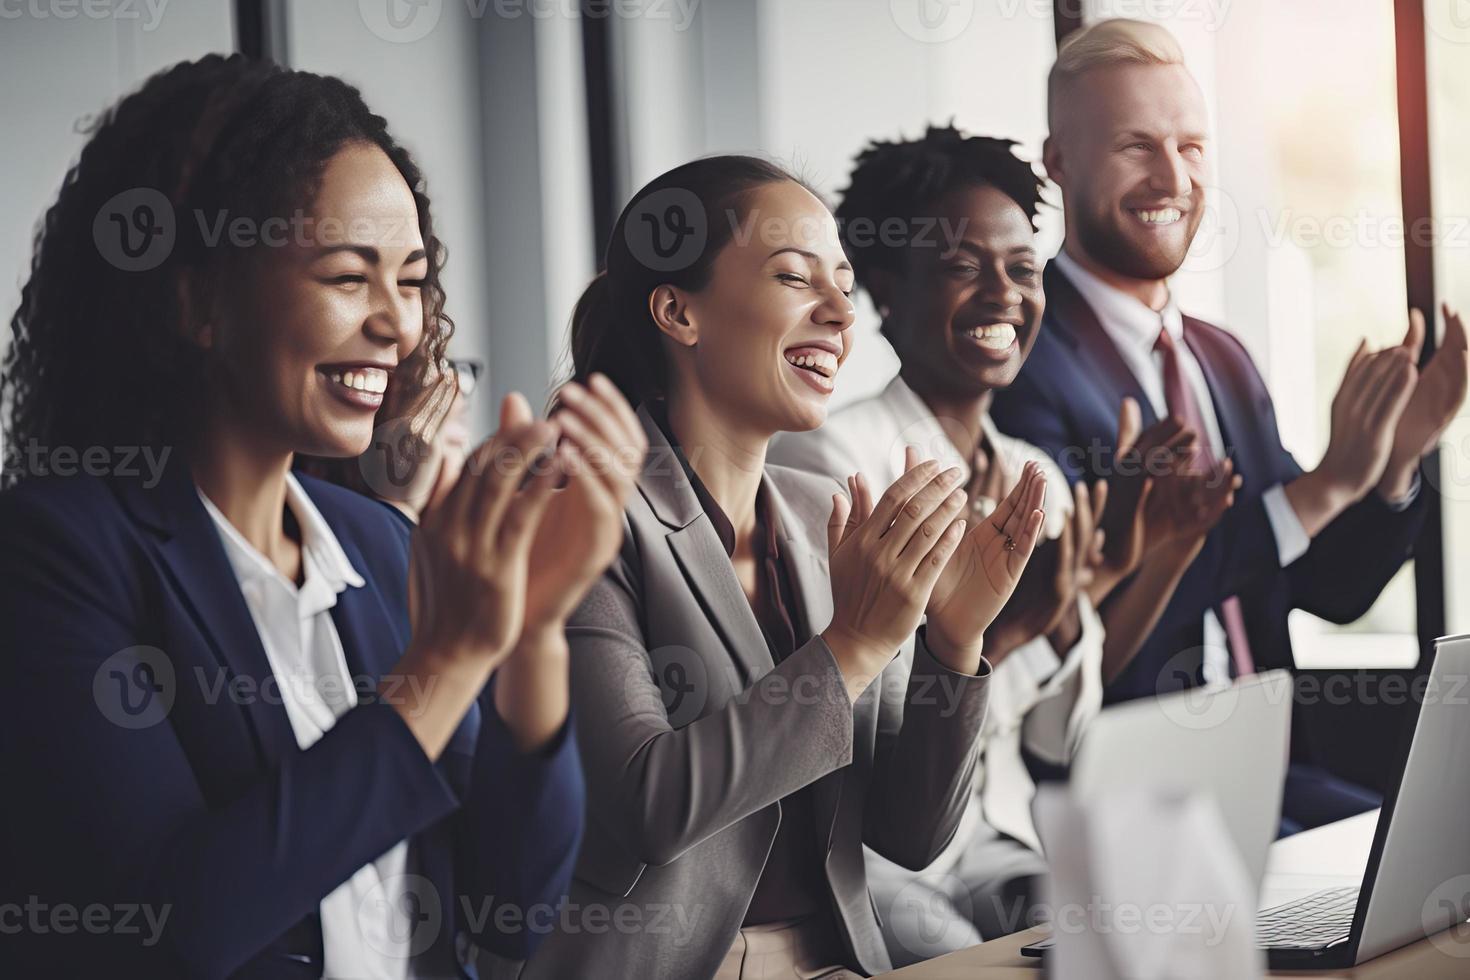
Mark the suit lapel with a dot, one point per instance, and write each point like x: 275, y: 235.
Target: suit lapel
x: 701, y: 557
x: 811, y: 582
x: 1075, y: 322
x: 195, y: 560
x: 1228, y: 403
x: 707, y: 568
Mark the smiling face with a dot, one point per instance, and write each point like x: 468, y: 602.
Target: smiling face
x: 1130, y: 154
x: 764, y: 340
x: 303, y: 344
x: 963, y: 319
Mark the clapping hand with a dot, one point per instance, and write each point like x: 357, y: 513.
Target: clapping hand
x: 1045, y: 600
x: 985, y: 569
x: 1435, y: 400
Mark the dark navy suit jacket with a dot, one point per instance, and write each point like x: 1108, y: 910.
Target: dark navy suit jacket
x: 146, y: 762
x: 1066, y: 401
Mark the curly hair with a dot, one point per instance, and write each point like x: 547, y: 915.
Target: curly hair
x: 904, y: 179
x: 98, y: 353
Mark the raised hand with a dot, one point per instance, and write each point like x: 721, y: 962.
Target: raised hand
x: 1139, y: 460
x: 1365, y: 416
x: 1045, y: 600
x: 468, y: 576
x: 884, y: 560
x: 979, y: 579
x: 1436, y: 399
x: 601, y: 455
x: 469, y: 556
x: 1186, y: 506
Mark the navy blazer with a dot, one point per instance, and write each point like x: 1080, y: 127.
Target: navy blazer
x: 150, y: 771
x: 1066, y: 401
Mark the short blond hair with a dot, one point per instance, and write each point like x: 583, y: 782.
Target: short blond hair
x: 1119, y: 41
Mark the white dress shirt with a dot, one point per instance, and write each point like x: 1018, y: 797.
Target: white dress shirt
x: 365, y: 932
x: 1134, y: 328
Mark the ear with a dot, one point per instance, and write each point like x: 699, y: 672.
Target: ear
x: 669, y: 307
x: 196, y: 315
x: 1051, y: 160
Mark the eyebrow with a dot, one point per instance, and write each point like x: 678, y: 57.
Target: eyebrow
x: 843, y: 265
x: 370, y: 254
x: 978, y: 249
x: 1138, y: 134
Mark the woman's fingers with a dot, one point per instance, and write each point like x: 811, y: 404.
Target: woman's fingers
x: 1005, y: 510
x: 1027, y: 497
x: 897, y: 495
x: 837, y: 524
x: 631, y: 424
x: 917, y: 516
x: 529, y: 452
x: 456, y: 511
x: 862, y: 501
x: 932, y: 566
x: 522, y: 515
x: 926, y: 536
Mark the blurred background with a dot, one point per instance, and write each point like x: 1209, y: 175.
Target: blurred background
x: 1343, y: 162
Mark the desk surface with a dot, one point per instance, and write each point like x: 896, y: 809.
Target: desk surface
x: 1298, y: 865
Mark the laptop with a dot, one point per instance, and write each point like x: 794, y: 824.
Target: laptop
x: 1417, y: 881
x: 1231, y: 743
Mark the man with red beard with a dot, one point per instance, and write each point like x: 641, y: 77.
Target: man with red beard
x: 1130, y: 152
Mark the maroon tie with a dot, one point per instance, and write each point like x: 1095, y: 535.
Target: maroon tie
x: 1182, y: 405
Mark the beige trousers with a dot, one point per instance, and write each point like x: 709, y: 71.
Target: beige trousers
x: 796, y: 949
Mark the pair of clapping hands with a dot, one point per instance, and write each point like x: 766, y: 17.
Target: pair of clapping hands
x: 532, y: 520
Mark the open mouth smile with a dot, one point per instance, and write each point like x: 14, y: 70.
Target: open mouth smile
x: 815, y: 365
x: 361, y: 385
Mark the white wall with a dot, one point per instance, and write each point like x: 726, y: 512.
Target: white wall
x: 58, y: 71
x: 492, y: 108
x: 809, y: 83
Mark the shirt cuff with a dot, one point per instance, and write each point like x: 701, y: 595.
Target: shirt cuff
x: 1292, y: 540
x: 1407, y: 500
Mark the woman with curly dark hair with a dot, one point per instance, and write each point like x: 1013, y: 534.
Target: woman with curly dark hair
x: 253, y: 728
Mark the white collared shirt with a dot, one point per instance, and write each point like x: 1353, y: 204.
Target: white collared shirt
x: 361, y: 934
x: 1134, y: 328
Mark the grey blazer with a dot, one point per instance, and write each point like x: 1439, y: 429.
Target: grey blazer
x: 691, y: 735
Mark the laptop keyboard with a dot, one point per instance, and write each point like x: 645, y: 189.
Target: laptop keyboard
x: 1315, y: 922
